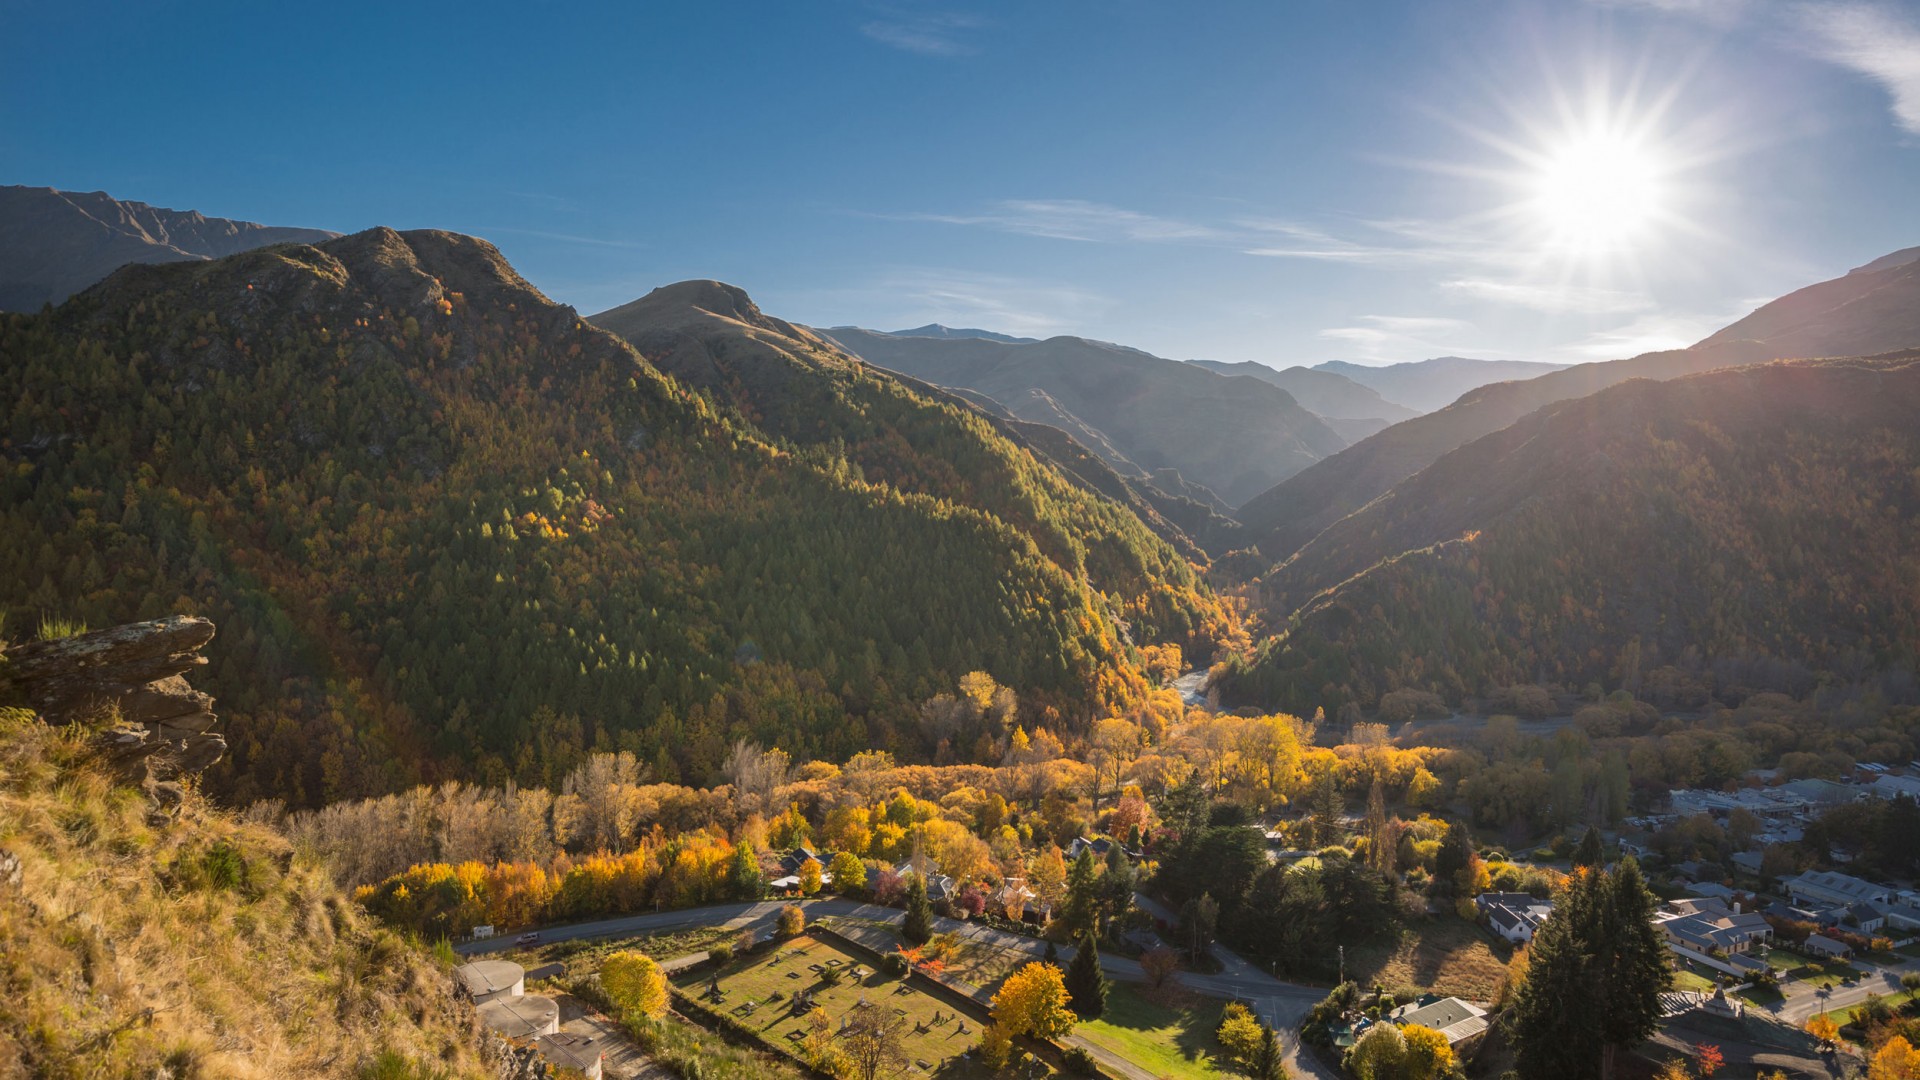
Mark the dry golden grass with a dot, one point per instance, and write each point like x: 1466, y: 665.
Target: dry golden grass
x: 200, y: 948
x: 1443, y: 954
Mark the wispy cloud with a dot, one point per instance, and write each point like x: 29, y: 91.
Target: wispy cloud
x: 1875, y: 42
x: 1073, y: 219
x: 1397, y: 337
x: 1878, y: 40
x: 930, y: 33
x: 1553, y: 299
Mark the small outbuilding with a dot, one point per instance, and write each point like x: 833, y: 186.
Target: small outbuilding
x: 489, y: 979
x: 522, y: 1016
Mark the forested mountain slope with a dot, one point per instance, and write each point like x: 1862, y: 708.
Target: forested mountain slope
x: 1865, y: 312
x: 55, y: 243
x: 1750, y: 526
x: 1235, y: 436
x: 453, y: 530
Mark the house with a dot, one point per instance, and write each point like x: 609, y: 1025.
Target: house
x: 1829, y: 888
x: 1012, y: 896
x: 1514, y: 916
x: 1712, y: 926
x: 1456, y: 1019
x: 1100, y: 848
x: 1822, y: 945
x: 565, y: 1050
x: 1900, y: 916
x: 792, y: 861
x: 1747, y: 862
x: 1865, y: 916
x: 939, y: 886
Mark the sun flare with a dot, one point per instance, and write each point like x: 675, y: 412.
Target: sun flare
x: 1597, y: 192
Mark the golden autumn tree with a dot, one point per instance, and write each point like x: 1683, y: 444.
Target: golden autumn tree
x: 1033, y: 1001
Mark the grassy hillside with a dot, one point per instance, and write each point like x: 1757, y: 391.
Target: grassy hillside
x: 1751, y: 527
x: 450, y: 529
x: 200, y: 947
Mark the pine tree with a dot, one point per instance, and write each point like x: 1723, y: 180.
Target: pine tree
x: 1555, y: 1031
x: 918, y: 929
x: 1633, y: 966
x: 1086, y: 983
x: 1081, y: 913
x: 1268, y: 1062
x: 1589, y: 853
x: 1380, y: 847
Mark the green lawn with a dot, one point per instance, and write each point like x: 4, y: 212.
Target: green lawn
x: 1759, y: 995
x: 1825, y: 972
x: 758, y: 990
x: 1685, y: 979
x: 1169, y: 1037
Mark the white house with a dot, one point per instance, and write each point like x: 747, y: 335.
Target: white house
x: 1514, y: 916
x: 1456, y: 1019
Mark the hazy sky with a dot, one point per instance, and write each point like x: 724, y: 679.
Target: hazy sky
x: 1286, y: 181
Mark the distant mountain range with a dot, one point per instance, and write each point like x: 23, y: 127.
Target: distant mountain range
x: 1235, y: 436
x: 55, y: 243
x: 1354, y: 409
x: 1426, y: 385
x: 1862, y: 313
x: 1744, y: 529
x: 952, y: 333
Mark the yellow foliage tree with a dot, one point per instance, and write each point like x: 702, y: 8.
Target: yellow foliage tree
x: 1895, y: 1060
x: 809, y: 877
x: 1428, y: 1054
x: 1822, y: 1027
x: 635, y: 984
x: 1033, y: 1001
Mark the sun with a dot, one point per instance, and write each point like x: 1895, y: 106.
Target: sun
x: 1597, y: 192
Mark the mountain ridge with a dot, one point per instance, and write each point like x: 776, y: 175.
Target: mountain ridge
x: 55, y: 243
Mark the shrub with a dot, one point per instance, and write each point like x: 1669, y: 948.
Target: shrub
x: 1079, y: 1062
x: 721, y: 954
x: 792, y: 920
x: 895, y: 964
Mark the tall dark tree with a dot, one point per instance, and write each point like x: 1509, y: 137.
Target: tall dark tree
x: 1199, y: 920
x: 1268, y: 1062
x: 1554, y: 1033
x: 1379, y: 830
x: 1081, y: 913
x: 1086, y: 983
x: 1114, y: 895
x: 1632, y: 962
x: 1328, y: 809
x: 918, y: 929
x: 1590, y: 853
x: 1596, y: 969
x: 1456, y: 851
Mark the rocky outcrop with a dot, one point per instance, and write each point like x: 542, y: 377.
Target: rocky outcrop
x: 131, y: 680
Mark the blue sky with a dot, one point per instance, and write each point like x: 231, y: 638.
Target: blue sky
x: 1287, y: 181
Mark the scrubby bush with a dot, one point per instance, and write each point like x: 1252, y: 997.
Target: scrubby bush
x: 1079, y: 1062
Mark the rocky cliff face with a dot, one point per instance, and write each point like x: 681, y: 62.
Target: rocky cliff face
x: 131, y: 679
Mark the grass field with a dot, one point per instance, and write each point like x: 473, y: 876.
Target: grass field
x: 1445, y: 955
x: 1685, y: 979
x: 758, y: 990
x: 1167, y: 1033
